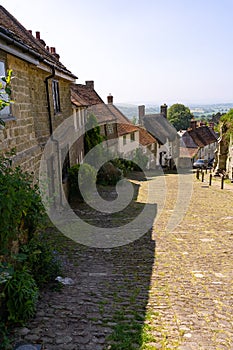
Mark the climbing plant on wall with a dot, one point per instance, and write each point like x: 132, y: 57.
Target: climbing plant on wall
x: 5, y: 92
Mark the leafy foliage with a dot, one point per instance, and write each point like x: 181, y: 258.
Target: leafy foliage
x: 5, y: 92
x: 22, y: 294
x: 81, y: 176
x: 21, y: 209
x: 92, y: 135
x: 109, y: 174
x: 41, y: 259
x: 179, y: 116
x: 226, y: 124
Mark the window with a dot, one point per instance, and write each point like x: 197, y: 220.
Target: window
x: 124, y: 139
x: 56, y: 97
x: 5, y: 112
x: 132, y: 137
x: 110, y: 129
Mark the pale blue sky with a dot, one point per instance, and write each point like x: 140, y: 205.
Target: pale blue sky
x: 150, y: 51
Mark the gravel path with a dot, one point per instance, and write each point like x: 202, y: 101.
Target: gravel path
x: 163, y: 291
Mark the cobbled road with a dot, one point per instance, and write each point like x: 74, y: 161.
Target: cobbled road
x: 166, y: 290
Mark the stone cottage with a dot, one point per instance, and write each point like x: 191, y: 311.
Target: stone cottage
x: 41, y: 94
x: 158, y: 126
x: 118, y: 131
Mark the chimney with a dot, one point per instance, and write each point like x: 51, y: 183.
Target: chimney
x: 48, y: 48
x: 30, y: 31
x: 141, y: 114
x: 211, y: 125
x: 110, y: 99
x: 202, y: 123
x: 38, y: 35
x: 53, y: 52
x: 193, y: 124
x: 163, y: 110
x: 90, y: 84
x: 39, y: 39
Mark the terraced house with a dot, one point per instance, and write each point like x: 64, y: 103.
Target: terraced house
x: 41, y: 95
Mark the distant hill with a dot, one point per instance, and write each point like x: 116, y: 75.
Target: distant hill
x: 131, y: 110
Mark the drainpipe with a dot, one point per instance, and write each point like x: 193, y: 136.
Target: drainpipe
x: 52, y: 75
x: 48, y: 99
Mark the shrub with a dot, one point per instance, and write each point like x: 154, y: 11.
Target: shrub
x: 81, y: 175
x: 123, y: 164
x: 41, y: 260
x: 21, y: 209
x: 21, y: 296
x: 109, y: 174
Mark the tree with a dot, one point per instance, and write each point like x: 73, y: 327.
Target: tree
x: 92, y: 136
x: 179, y: 116
x: 134, y: 120
x: 5, y: 92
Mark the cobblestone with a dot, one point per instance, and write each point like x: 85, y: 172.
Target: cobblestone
x: 167, y: 290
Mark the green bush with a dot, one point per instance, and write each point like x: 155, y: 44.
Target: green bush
x: 21, y: 209
x: 81, y: 175
x: 21, y: 294
x: 109, y: 174
x: 41, y: 260
x: 123, y: 164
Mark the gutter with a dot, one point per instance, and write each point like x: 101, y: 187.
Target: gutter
x: 4, y: 34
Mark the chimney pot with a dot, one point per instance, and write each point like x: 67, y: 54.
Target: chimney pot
x: 193, y: 124
x: 90, y: 84
x: 141, y: 114
x: 110, y: 99
x: 38, y: 35
x: 52, y: 50
x: 30, y: 31
x: 163, y: 110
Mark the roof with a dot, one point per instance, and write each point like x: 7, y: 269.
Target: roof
x: 187, y: 141
x: 159, y: 127
x: 124, y: 129
x: 102, y: 113
x: 14, y: 33
x: 77, y: 100
x: 87, y: 94
x: 145, y: 138
x: 202, y: 136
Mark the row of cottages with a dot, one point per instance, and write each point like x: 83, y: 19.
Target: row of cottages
x: 198, y: 142
x: 120, y: 134
x: 156, y: 124
x: 42, y: 99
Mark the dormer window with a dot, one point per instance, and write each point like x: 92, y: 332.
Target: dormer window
x: 56, y: 97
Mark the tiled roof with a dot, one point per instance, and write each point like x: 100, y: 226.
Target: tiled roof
x: 87, y: 94
x: 13, y: 32
x: 145, y: 138
x: 202, y: 136
x: 159, y: 127
x: 120, y: 117
x: 124, y: 129
x: 102, y: 113
x: 77, y: 100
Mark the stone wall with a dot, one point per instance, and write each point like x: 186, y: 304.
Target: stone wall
x: 28, y: 130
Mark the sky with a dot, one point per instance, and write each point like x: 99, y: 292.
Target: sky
x: 147, y: 51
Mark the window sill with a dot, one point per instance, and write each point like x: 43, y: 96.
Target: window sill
x: 8, y: 119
